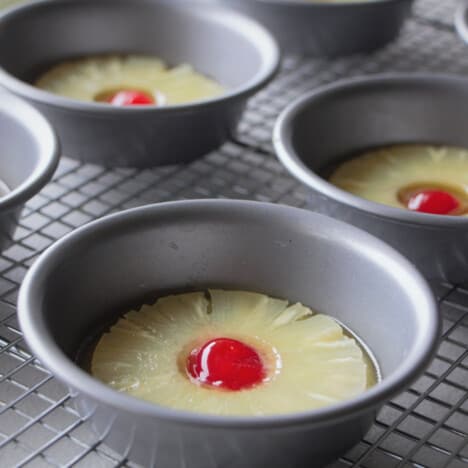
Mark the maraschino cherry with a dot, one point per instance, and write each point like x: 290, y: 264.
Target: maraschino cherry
x: 130, y: 98
x: 227, y: 364
x: 433, y: 202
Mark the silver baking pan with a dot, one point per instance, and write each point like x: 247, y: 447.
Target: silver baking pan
x: 336, y: 122
x: 29, y: 153
x: 224, y: 45
x: 323, y: 28
x: 122, y: 260
x: 461, y: 20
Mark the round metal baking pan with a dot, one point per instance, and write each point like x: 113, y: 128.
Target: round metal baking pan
x: 328, y: 28
x: 335, y: 122
x: 220, y: 43
x: 122, y: 260
x: 28, y: 158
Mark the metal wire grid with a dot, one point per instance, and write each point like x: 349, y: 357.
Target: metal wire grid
x: 426, y: 426
x: 437, y: 11
x: 424, y: 46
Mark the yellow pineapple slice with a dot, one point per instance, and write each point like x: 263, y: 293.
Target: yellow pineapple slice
x: 95, y: 78
x: 383, y: 175
x: 308, y: 361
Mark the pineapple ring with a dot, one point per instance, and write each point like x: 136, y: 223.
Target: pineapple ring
x: 89, y: 79
x: 314, y: 364
x: 386, y: 175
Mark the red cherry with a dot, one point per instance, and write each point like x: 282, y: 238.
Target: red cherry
x: 433, y: 201
x: 226, y: 363
x: 130, y: 98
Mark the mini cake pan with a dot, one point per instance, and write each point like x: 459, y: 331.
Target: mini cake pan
x: 29, y: 153
x: 336, y: 122
x: 322, y: 28
x: 232, y: 49
x: 123, y: 260
x: 461, y: 20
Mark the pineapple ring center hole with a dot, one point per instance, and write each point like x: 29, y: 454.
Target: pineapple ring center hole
x: 228, y: 364
x: 453, y: 197
x: 128, y: 96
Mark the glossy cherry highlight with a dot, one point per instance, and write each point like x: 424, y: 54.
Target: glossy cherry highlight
x: 130, y: 98
x: 434, y: 202
x: 227, y: 364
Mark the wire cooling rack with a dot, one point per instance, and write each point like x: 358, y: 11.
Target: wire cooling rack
x: 426, y: 426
